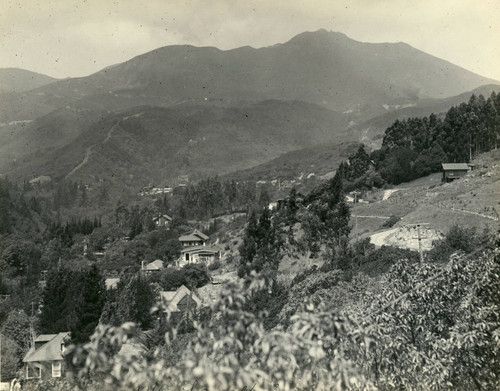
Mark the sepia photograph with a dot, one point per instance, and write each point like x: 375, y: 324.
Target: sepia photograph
x: 260, y: 195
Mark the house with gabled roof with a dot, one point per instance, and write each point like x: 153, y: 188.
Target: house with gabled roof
x: 162, y: 221
x: 45, y: 359
x: 179, y: 302
x: 152, y: 267
x: 195, y: 238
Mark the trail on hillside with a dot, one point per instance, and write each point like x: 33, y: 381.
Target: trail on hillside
x: 467, y: 212
x: 88, y: 151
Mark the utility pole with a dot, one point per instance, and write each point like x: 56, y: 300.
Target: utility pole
x: 355, y: 201
x: 419, y: 237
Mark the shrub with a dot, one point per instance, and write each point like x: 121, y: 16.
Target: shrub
x: 214, y: 265
x: 390, y: 223
x: 459, y: 239
x: 192, y: 276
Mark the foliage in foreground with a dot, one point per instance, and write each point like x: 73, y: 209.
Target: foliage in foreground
x: 426, y: 327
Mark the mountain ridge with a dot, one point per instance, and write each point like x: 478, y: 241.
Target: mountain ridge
x: 322, y: 67
x: 21, y: 80
x: 318, y: 83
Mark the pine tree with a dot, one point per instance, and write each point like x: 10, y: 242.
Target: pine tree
x: 55, y: 300
x: 261, y: 246
x: 89, y: 310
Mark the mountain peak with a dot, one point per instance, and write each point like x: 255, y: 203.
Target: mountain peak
x: 318, y: 36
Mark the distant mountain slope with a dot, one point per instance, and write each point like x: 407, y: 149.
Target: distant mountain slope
x: 203, y: 111
x: 321, y: 67
x: 152, y: 144
x: 371, y: 131
x: 20, y: 80
x: 318, y: 160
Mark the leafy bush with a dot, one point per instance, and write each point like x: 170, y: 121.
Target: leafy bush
x: 460, y: 239
x: 391, y: 221
x: 191, y: 275
x: 424, y: 327
x: 214, y: 265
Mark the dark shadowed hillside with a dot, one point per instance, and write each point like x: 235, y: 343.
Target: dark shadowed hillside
x: 151, y: 144
x: 372, y: 131
x: 184, y: 110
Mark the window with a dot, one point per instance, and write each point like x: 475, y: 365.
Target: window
x: 33, y: 371
x: 56, y: 369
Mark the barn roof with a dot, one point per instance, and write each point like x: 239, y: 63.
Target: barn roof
x: 50, y: 351
x: 455, y: 166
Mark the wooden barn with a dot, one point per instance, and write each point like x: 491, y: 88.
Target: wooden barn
x: 452, y: 171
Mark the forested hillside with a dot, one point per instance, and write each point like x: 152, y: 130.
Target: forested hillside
x: 354, y: 316
x: 416, y: 147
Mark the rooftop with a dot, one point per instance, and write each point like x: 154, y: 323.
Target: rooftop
x: 455, y: 166
x: 194, y: 236
x: 50, y: 351
x: 171, y: 298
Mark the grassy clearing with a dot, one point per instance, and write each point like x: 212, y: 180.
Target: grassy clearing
x: 472, y: 201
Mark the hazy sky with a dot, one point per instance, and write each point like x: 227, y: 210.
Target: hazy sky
x: 64, y: 38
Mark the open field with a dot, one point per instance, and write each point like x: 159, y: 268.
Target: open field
x: 472, y: 201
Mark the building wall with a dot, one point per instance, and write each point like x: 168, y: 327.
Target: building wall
x: 453, y: 174
x: 45, y: 369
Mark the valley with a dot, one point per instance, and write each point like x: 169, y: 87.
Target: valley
x: 321, y: 213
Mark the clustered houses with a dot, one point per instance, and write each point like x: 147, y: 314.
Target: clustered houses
x: 45, y: 358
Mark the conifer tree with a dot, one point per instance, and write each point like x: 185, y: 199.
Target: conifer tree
x: 88, y: 311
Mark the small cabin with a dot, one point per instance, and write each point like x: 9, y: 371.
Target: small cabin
x: 152, y: 267
x: 452, y: 171
x: 162, y: 221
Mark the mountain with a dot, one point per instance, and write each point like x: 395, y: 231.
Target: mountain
x: 184, y: 110
x: 20, y: 80
x: 155, y: 144
x: 372, y: 131
x: 318, y: 161
x: 321, y: 67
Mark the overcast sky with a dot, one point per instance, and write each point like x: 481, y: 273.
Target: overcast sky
x: 68, y: 38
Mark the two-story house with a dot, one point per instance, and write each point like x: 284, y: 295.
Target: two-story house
x: 45, y: 359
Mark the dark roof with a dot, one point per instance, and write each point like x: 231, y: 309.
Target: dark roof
x: 50, y: 351
x: 171, y: 298
x: 455, y: 166
x: 200, y: 250
x: 194, y: 236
